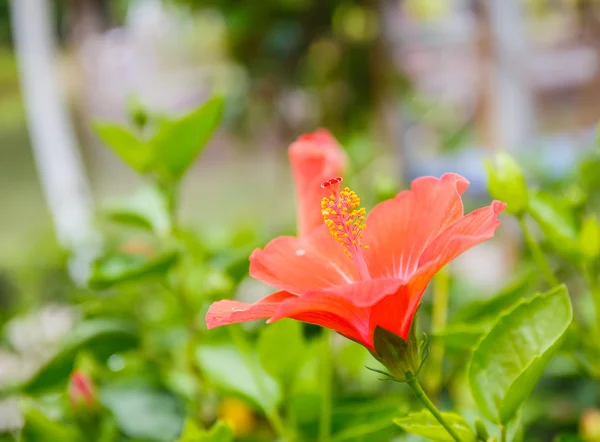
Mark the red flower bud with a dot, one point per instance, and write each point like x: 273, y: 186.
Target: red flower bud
x: 81, y: 391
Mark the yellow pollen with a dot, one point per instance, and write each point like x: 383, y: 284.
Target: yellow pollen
x: 345, y: 218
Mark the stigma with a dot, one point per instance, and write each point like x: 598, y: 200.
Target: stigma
x: 346, y: 221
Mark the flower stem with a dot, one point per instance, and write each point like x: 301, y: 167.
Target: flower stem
x: 537, y: 254
x: 439, y: 319
x: 327, y: 378
x: 503, y: 433
x: 413, y: 382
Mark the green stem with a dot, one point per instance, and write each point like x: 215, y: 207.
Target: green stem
x: 503, y: 433
x: 327, y: 387
x: 537, y: 253
x: 413, y: 382
x: 439, y: 318
x: 239, y: 339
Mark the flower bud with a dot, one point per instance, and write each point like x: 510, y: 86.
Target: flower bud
x: 81, y: 392
x: 589, y: 238
x: 403, y: 359
x: 507, y: 183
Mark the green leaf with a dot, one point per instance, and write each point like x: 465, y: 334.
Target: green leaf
x: 280, y: 347
x: 556, y: 220
x: 146, y: 209
x: 228, y: 369
x: 119, y: 268
x: 101, y: 337
x: 512, y: 356
x: 423, y: 424
x: 507, y: 183
x: 568, y: 438
x: 220, y: 432
x: 177, y: 143
x: 126, y: 145
x: 38, y: 427
x: 144, y: 412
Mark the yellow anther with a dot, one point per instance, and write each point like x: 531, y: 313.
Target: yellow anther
x: 344, y: 218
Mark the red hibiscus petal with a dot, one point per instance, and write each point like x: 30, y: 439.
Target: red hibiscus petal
x: 230, y: 312
x: 470, y: 230
x: 399, y: 230
x: 330, y: 311
x: 395, y: 313
x: 314, y: 158
x: 346, y: 309
x: 300, y: 265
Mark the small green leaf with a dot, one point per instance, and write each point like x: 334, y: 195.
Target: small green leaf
x: 423, y: 424
x: 119, y: 268
x: 101, y: 337
x: 126, y: 145
x: 177, y: 143
x: 280, y: 347
x: 507, y: 183
x: 144, y: 412
x: 228, y: 369
x: 556, y: 220
x: 220, y: 432
x: 512, y: 356
x: 146, y: 209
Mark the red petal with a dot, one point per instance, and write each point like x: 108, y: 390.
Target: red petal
x: 330, y: 311
x: 231, y: 312
x: 314, y: 158
x: 399, y: 230
x: 395, y: 313
x: 301, y: 265
x: 345, y: 309
x: 470, y: 230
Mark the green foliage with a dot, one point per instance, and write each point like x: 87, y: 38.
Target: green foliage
x: 101, y: 337
x: 173, y: 146
x: 589, y: 238
x: 178, y: 142
x: 144, y: 412
x: 119, y: 268
x: 220, y: 432
x: 280, y: 347
x: 509, y: 360
x: 229, y: 370
x: 557, y: 221
x: 422, y: 423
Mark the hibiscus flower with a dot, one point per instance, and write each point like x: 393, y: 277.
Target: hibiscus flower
x: 355, y: 272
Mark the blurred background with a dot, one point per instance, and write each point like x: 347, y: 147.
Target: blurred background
x: 409, y: 87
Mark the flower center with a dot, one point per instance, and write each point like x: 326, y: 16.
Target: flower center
x: 346, y: 221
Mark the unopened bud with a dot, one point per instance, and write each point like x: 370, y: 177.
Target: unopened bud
x: 507, y: 183
x: 81, y: 392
